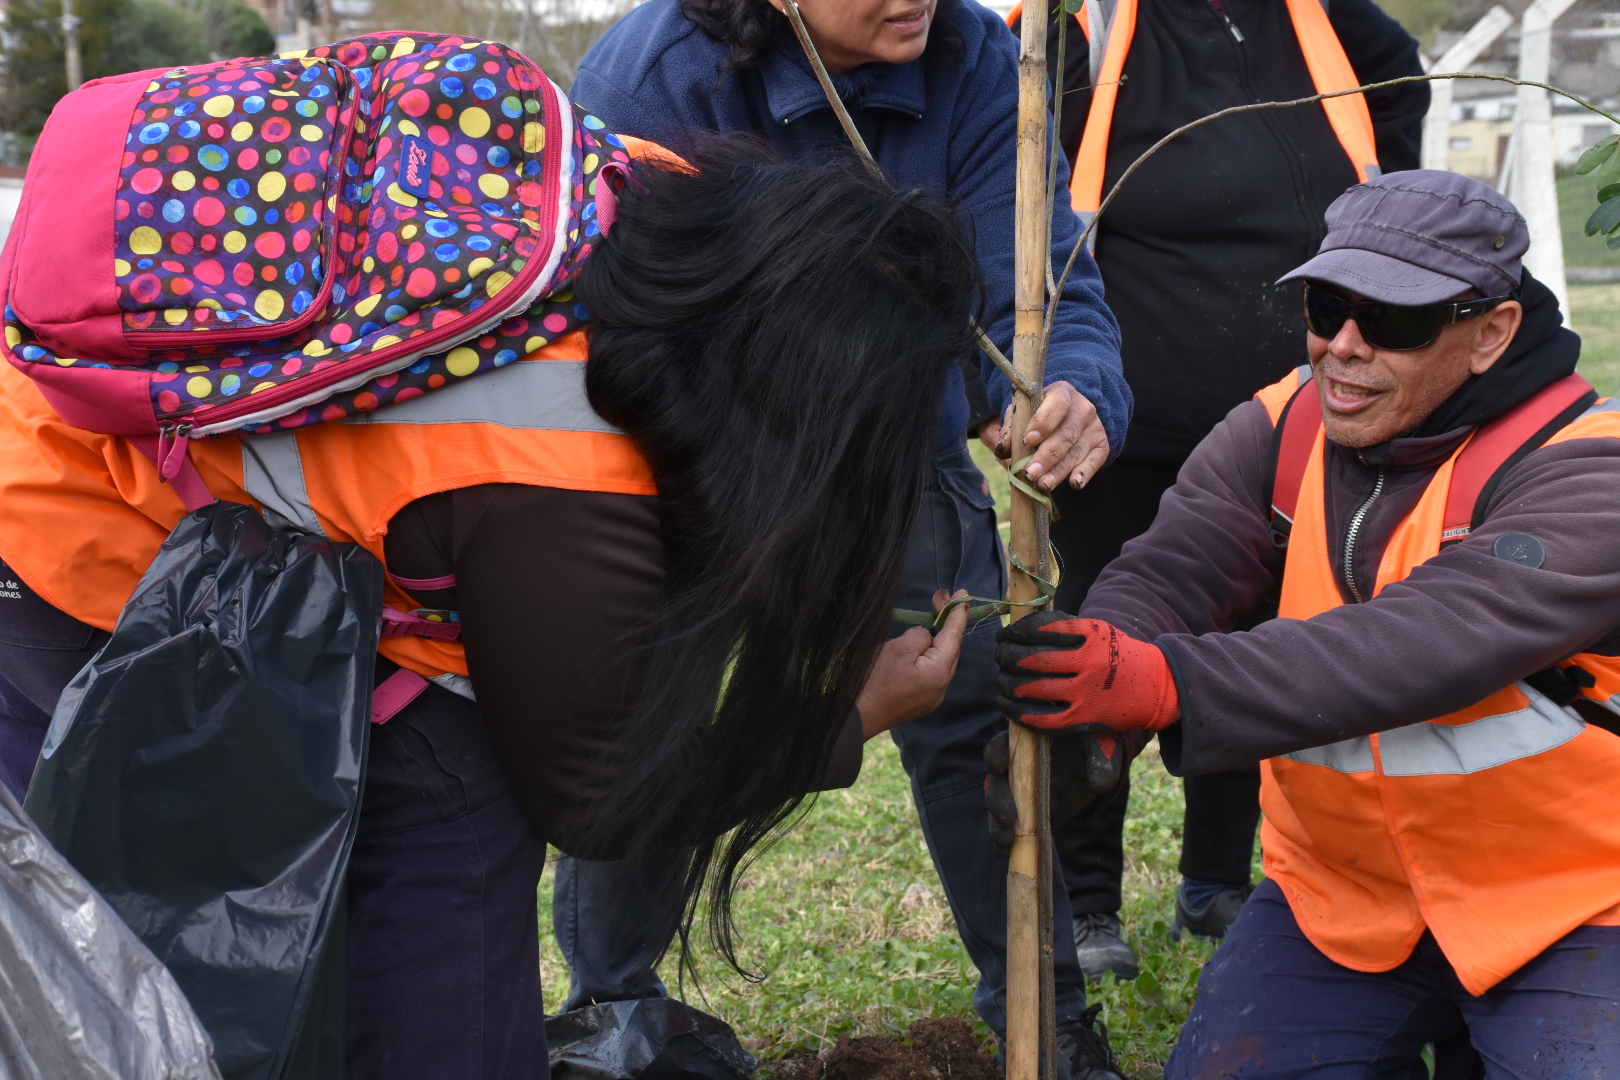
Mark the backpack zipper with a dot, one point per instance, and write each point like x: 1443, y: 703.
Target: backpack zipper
x: 1354, y: 532
x: 360, y: 369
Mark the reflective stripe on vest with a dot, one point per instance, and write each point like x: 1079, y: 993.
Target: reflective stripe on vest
x: 1490, y: 827
x: 1429, y: 749
x: 1330, y: 72
x: 547, y: 396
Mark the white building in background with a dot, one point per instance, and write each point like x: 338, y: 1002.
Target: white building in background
x: 1585, y: 60
x: 1482, y: 128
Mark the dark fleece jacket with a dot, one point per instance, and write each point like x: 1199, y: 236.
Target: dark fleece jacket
x: 1462, y: 626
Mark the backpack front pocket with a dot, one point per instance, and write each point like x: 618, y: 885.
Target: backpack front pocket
x: 223, y: 211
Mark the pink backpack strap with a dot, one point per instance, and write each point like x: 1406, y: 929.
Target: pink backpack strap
x: 394, y: 693
x: 425, y: 584
x: 396, y: 623
x: 609, y: 182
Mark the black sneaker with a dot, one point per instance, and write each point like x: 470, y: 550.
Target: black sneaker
x: 1083, y: 1050
x: 1100, y: 944
x: 1211, y: 921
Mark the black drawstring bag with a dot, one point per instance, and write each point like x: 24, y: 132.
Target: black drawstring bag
x: 203, y: 772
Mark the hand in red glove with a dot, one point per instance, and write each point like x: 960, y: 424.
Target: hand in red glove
x: 1058, y: 671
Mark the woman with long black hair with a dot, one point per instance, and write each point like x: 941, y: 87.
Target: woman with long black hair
x: 674, y: 669
x: 932, y: 86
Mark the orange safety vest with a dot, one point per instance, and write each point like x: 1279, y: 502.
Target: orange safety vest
x: 1492, y: 826
x: 85, y: 513
x: 1329, y: 67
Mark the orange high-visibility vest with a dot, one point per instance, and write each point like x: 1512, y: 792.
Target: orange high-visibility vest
x: 1330, y: 72
x: 85, y: 513
x: 1493, y: 826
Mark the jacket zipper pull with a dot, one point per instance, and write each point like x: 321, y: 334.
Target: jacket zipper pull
x: 1227, y: 19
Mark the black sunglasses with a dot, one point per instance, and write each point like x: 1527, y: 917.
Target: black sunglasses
x: 1394, y: 327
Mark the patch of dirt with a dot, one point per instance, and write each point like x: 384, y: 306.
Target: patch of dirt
x: 808, y: 1067
x: 936, y: 1049
x: 949, y: 1047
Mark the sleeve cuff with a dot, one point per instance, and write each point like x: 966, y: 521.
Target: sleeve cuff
x: 1174, y: 748
x: 844, y: 767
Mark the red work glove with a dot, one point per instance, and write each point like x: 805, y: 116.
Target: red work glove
x: 1058, y: 671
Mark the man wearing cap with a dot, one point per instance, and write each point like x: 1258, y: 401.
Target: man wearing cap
x: 1435, y: 501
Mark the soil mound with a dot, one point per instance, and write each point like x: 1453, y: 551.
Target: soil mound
x: 937, y: 1049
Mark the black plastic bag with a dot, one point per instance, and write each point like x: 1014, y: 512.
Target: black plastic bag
x: 203, y: 772
x: 647, y: 1039
x: 79, y: 995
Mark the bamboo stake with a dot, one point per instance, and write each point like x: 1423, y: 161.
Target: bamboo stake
x: 1025, y: 902
x: 1031, y: 995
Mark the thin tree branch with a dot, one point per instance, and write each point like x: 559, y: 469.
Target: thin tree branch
x: 1079, y: 245
x: 848, y: 124
x: 827, y: 88
x: 1007, y: 369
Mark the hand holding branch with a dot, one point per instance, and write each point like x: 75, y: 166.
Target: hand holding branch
x: 913, y: 671
x: 1068, y: 436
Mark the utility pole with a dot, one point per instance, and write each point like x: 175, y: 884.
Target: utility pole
x: 1535, y: 188
x: 70, y: 45
x: 1437, y: 124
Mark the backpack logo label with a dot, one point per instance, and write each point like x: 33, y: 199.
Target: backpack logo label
x: 413, y: 166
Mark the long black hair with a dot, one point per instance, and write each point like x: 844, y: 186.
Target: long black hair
x: 750, y: 29
x: 776, y: 338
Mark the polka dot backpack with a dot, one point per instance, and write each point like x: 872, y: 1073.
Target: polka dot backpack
x: 260, y: 244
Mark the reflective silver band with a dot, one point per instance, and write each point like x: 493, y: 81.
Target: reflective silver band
x: 1347, y: 756
x: 1455, y: 749
x: 273, y: 473
x: 1602, y: 406
x: 460, y: 685
x: 1449, y: 750
x: 537, y: 395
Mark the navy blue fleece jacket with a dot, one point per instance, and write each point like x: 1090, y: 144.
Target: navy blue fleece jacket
x: 944, y: 122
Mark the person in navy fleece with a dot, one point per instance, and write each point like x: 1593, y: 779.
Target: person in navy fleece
x: 932, y: 85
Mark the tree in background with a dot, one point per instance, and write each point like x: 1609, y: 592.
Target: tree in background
x: 231, y: 28
x: 115, y: 36
x: 556, y: 34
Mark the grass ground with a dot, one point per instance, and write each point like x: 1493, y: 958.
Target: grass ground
x: 846, y: 920
x: 1595, y: 315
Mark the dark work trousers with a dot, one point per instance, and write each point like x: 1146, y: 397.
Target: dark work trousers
x: 443, y: 950
x: 41, y: 649
x: 601, y: 912
x: 1222, y: 809
x: 1271, y: 1005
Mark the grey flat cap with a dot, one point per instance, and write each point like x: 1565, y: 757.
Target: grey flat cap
x: 1420, y: 237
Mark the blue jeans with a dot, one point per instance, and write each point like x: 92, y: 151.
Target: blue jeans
x: 956, y: 546
x: 1271, y: 1004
